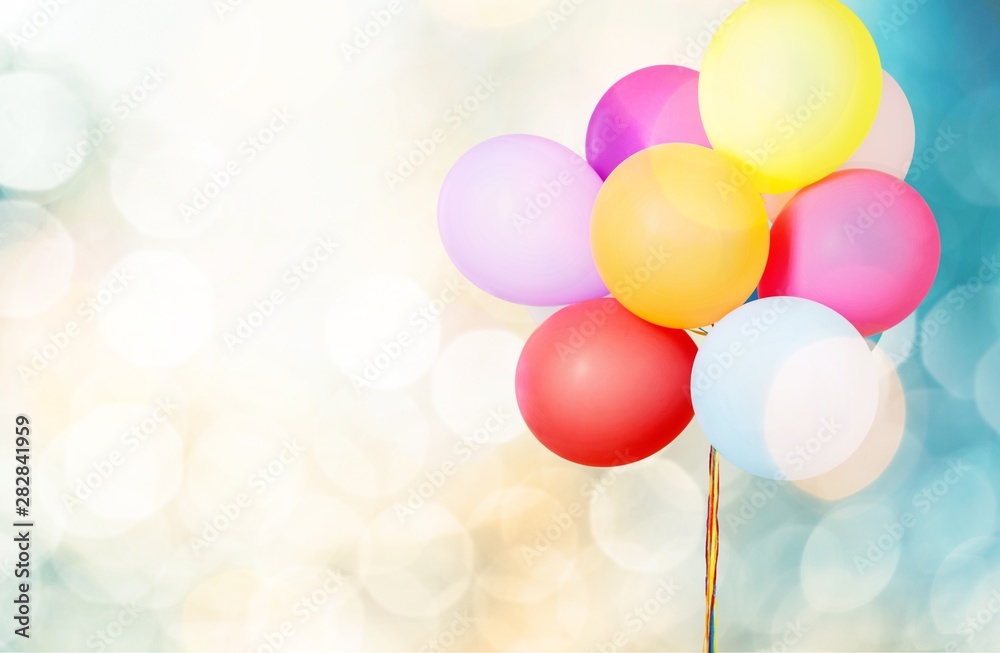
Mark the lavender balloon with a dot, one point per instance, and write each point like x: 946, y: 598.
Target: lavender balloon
x: 514, y: 216
x: 649, y: 107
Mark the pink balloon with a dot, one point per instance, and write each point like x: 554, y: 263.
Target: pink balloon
x: 861, y: 242
x: 649, y: 107
x: 514, y: 216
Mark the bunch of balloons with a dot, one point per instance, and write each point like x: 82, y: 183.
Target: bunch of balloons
x: 666, y: 227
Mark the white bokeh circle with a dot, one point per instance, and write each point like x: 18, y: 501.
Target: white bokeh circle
x: 163, y: 313
x: 123, y: 462
x: 383, y: 332
x: 418, y: 565
x: 157, y: 170
x: 851, y: 556
x: 472, y: 385
x: 43, y: 132
x: 36, y: 259
x: 380, y: 449
x: 650, y: 518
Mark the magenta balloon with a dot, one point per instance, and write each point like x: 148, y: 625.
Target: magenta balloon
x: 649, y: 107
x: 514, y: 216
x: 861, y: 242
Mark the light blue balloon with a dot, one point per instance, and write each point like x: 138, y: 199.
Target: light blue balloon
x: 741, y: 388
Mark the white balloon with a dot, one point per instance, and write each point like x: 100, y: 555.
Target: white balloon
x: 888, y: 147
x: 785, y: 388
x: 890, y: 143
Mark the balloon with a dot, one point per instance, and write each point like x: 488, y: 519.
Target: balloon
x: 776, y: 203
x: 880, y: 445
x: 674, y: 240
x: 861, y: 242
x: 651, y: 106
x: 890, y: 143
x: 601, y: 387
x: 514, y: 216
x: 785, y: 388
x: 888, y: 146
x: 790, y: 88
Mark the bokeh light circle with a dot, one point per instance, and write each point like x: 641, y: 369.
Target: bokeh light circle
x: 878, y: 448
x: 650, y: 518
x: 45, y: 135
x: 473, y: 385
x: 416, y: 565
x: 384, y: 332
x: 851, y: 556
x: 162, y: 312
x: 529, y: 539
x: 36, y: 259
x: 379, y: 447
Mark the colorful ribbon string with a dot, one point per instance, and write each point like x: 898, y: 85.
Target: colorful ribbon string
x: 711, y: 550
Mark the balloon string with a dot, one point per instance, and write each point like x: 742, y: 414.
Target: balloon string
x: 711, y: 549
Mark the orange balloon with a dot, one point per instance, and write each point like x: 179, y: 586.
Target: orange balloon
x: 679, y: 236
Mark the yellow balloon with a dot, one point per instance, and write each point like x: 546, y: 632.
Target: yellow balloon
x: 790, y: 88
x: 676, y: 242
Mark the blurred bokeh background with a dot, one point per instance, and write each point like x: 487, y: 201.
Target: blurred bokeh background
x: 269, y: 414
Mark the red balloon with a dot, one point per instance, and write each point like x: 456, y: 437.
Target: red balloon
x: 601, y: 387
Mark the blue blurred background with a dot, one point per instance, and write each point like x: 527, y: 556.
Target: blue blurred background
x: 910, y: 562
